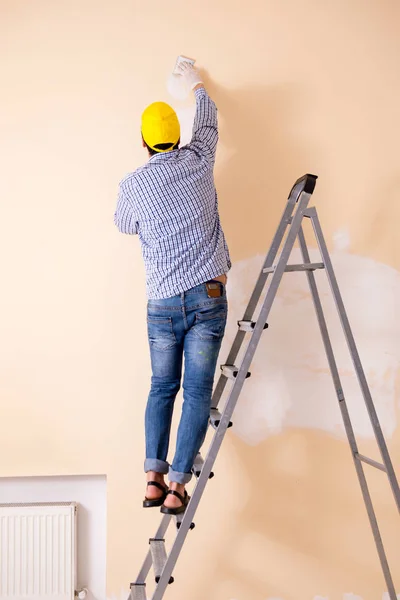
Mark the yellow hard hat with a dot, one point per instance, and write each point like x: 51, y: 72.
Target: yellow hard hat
x: 160, y: 125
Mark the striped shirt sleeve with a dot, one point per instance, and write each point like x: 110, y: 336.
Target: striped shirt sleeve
x: 124, y: 216
x: 205, y: 127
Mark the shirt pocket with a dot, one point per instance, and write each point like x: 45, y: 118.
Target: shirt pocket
x: 160, y: 332
x: 210, y: 322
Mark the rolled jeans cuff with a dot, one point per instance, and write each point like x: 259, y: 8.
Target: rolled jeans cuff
x: 154, y: 464
x: 179, y: 477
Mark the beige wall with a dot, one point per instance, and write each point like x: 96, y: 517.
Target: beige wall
x: 301, y: 86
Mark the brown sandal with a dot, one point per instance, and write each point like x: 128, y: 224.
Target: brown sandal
x: 147, y: 503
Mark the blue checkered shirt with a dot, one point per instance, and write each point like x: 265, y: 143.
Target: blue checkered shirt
x: 171, y: 203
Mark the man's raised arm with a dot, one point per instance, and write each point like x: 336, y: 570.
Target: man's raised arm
x: 205, y: 127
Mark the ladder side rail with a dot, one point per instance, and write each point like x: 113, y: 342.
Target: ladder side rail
x: 356, y: 359
x: 346, y: 419
x: 240, y: 335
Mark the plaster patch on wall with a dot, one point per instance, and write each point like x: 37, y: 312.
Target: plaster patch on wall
x: 341, y: 239
x: 186, y: 118
x: 176, y: 87
x: 291, y: 384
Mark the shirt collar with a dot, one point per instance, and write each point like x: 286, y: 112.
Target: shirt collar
x: 161, y: 155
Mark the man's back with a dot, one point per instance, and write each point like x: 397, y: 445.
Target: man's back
x: 171, y: 203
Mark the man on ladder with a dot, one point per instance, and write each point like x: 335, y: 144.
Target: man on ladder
x: 171, y: 203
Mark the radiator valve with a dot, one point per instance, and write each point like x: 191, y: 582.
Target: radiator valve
x: 82, y: 594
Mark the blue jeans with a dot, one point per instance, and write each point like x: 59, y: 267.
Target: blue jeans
x: 190, y: 325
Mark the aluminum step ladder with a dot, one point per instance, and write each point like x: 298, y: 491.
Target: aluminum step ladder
x: 276, y: 264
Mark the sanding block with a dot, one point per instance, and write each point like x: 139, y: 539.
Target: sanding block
x: 180, y: 60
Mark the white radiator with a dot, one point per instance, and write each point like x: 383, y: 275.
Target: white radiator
x: 38, y: 551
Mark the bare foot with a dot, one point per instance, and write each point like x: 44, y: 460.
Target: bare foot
x: 172, y: 501
x: 152, y: 492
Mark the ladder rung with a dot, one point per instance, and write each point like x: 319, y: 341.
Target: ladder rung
x: 249, y: 325
x: 198, y: 465
x: 297, y: 267
x: 179, y: 519
x: 310, y: 212
x: 231, y: 372
x: 305, y: 267
x: 138, y: 591
x: 371, y: 461
x: 159, y: 557
x: 215, y: 418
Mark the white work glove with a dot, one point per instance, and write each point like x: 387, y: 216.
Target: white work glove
x: 190, y: 75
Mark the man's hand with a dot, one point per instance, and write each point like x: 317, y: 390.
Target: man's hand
x: 190, y: 75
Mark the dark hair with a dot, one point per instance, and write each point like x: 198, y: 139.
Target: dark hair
x: 162, y: 147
